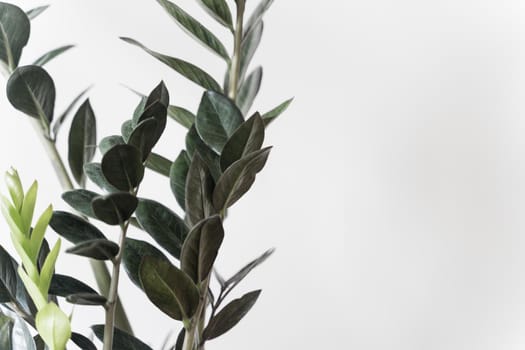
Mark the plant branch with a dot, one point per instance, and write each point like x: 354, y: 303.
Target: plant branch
x: 99, y: 268
x: 236, y: 58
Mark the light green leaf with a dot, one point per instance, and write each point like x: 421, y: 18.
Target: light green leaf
x: 38, y: 233
x: 195, y: 28
x: 32, y: 289
x: 54, y: 326
x: 28, y: 207
x: 15, y: 188
x: 46, y: 274
x: 48, y: 56
x: 249, y: 90
x: 14, y: 34
x: 270, y: 116
x: 186, y: 69
x: 219, y: 10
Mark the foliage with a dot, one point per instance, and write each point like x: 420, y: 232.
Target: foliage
x: 224, y: 152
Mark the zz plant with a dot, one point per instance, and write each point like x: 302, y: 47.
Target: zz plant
x: 224, y: 151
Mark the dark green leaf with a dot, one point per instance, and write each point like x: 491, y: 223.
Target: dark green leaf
x: 80, y: 200
x: 121, y: 339
x: 12, y: 283
x: 195, y: 29
x: 162, y: 224
x: 270, y: 116
x: 98, y: 249
x: 218, y: 117
x: 230, y: 315
x: 45, y: 58
x: 159, y: 94
x: 159, y: 112
x: 14, y: 34
x: 60, y: 120
x: 249, y: 90
x: 219, y: 10
x: 74, y: 228
x: 188, y: 70
x: 180, y: 340
x: 109, y: 142
x: 39, y: 342
x: 115, y: 208
x: 31, y: 90
x: 199, y: 186
x: 238, y: 179
x: 239, y: 276
x: 158, y: 164
x: 144, y: 137
x: 34, y: 13
x: 82, y: 342
x: 248, y: 138
x: 94, y: 173
x: 178, y: 173
x: 122, y: 167
x: 170, y: 289
x: 62, y: 286
x: 6, y: 330
x: 201, y: 248
x: 194, y: 144
x: 133, y: 253
x: 181, y: 116
x: 86, y: 299
x: 82, y: 140
x: 126, y: 129
x: 256, y: 16
x: 249, y: 45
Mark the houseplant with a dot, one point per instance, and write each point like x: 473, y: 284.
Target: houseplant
x: 224, y: 152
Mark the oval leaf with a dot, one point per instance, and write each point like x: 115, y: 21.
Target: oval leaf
x: 74, y: 228
x: 82, y: 140
x: 122, y: 167
x: 144, y: 137
x: 250, y: 43
x: 11, y: 282
x: 238, y: 179
x: 163, y: 225
x: 98, y: 249
x: 195, y: 144
x: 115, y: 208
x: 249, y: 90
x: 14, y: 34
x: 217, y: 119
x: 199, y: 186
x: 219, y: 10
x: 230, y: 315
x: 158, y: 164
x: 170, y: 289
x: 82, y: 342
x: 109, y: 142
x: 80, y: 200
x: 181, y: 116
x: 94, y: 172
x: 62, y: 286
x: 248, y: 138
x: 178, y: 174
x: 87, y: 299
x: 53, y: 326
x: 133, y: 253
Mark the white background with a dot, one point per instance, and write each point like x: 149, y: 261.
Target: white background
x: 394, y: 192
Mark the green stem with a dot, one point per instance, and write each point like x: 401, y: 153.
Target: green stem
x: 99, y: 268
x: 111, y: 304
x: 236, y: 58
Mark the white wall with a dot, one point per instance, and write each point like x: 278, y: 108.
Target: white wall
x: 393, y: 193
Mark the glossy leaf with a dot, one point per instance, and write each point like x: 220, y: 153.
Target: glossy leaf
x: 109, y: 142
x: 48, y: 56
x: 217, y: 119
x: 115, y: 208
x: 248, y: 138
x: 31, y: 90
x: 122, y: 167
x: 98, y: 249
x: 21, y: 336
x: 82, y: 140
x: 11, y: 282
x: 62, y: 286
x: 6, y: 329
x: 144, y: 137
x: 249, y: 46
x: 159, y: 94
x: 170, y: 289
x: 200, y: 185
x: 133, y: 253
x: 158, y: 164
x: 186, y: 69
x: 162, y: 224
x: 219, y: 10
x: 194, y: 144
x: 14, y: 186
x: 94, y: 172
x: 60, y: 120
x: 80, y: 200
x: 159, y: 112
x: 181, y: 116
x: 87, y: 299
x: 230, y: 315
x: 53, y: 326
x: 48, y: 269
x: 121, y: 339
x: 82, y: 342
x: 238, y: 179
x: 270, y: 116
x: 195, y: 28
x: 239, y: 276
x: 178, y: 174
x: 249, y: 90
x: 74, y: 228
x: 126, y: 129
x: 14, y: 34
x: 35, y: 12
x: 201, y: 248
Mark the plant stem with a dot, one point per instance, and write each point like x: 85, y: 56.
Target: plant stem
x: 236, y: 59
x: 189, y: 339
x: 113, y: 292
x: 99, y: 268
